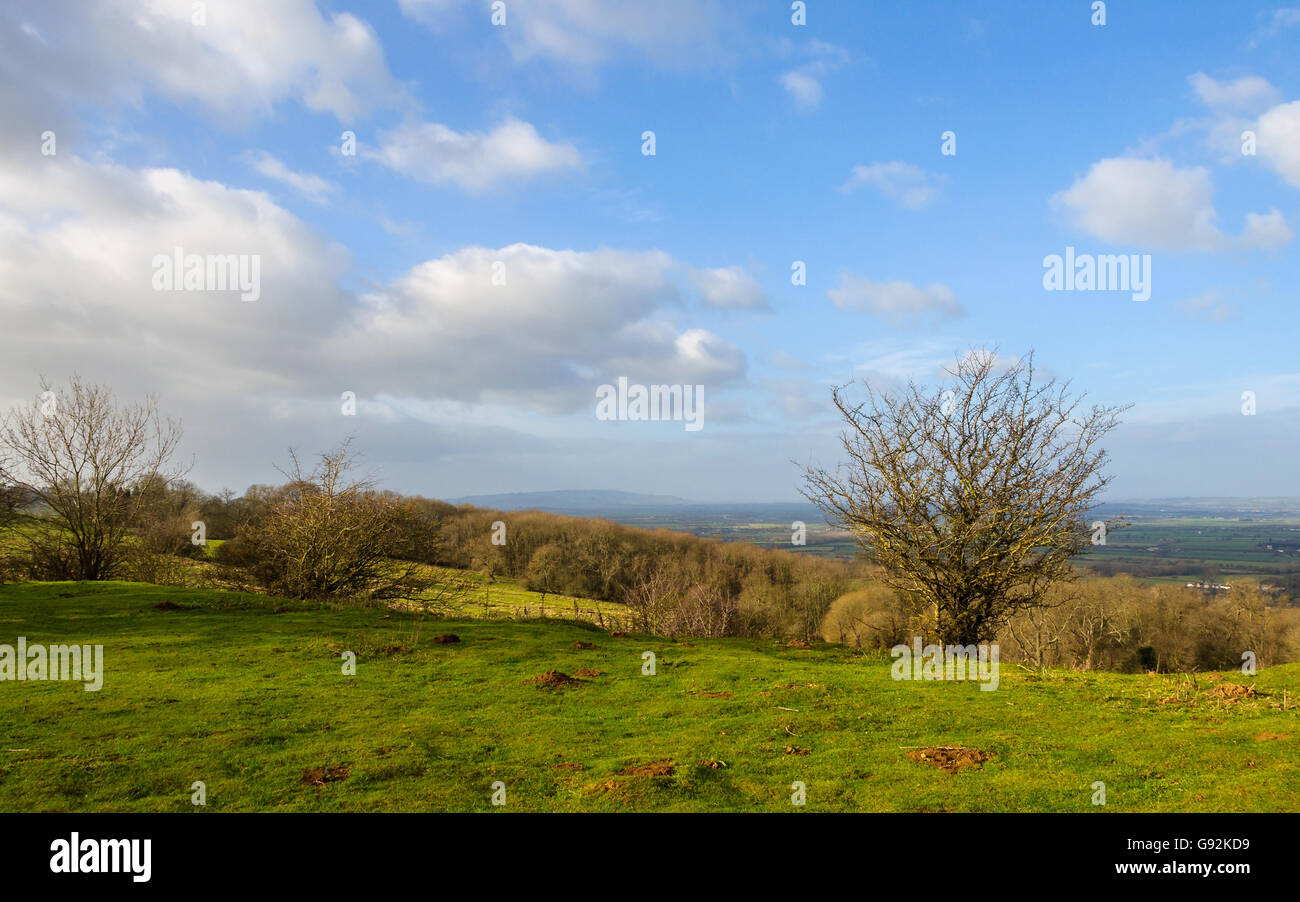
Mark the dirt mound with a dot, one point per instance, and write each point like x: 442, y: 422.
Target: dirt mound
x: 446, y: 639
x: 319, y: 776
x: 948, y: 758
x: 798, y: 643
x: 587, y: 673
x: 1264, y: 737
x: 582, y: 645
x: 569, y: 765
x: 714, y: 695
x: 663, y: 768
x: 553, y: 679
x: 168, y: 606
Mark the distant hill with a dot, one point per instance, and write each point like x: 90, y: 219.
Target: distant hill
x: 566, y: 500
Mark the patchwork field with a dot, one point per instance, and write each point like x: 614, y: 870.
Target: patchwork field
x: 247, y: 694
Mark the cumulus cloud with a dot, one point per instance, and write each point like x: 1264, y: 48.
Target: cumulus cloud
x: 1278, y: 131
x: 475, y: 161
x: 907, y: 185
x: 896, y: 301
x: 1152, y: 203
x: 246, y: 57
x: 562, y: 319
x: 78, y: 242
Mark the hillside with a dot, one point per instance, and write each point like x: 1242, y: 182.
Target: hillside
x: 246, y: 694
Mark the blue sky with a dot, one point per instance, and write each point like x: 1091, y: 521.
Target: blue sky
x: 521, y: 144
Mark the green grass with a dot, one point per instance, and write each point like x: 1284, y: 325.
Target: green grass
x: 232, y: 693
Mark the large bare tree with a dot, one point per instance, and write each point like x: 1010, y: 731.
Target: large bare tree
x: 973, y: 495
x: 82, y: 460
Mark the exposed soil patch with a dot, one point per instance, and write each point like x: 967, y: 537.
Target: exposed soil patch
x: 711, y: 762
x: 446, y: 639
x: 553, y: 679
x: 798, y: 643
x: 1233, y: 691
x: 949, y: 759
x: 714, y: 695
x: 1264, y: 737
x: 319, y: 776
x: 169, y: 606
x: 663, y: 768
x: 569, y: 765
x: 587, y: 673
x: 581, y: 644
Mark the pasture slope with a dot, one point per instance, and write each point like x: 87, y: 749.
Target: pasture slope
x: 247, y: 694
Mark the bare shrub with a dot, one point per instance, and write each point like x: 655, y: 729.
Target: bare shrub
x: 329, y: 534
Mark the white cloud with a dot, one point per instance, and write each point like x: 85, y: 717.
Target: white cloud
x: 729, y: 288
x: 1211, y: 304
x: 1278, y: 132
x: 1281, y: 20
x: 1244, y: 94
x: 1266, y: 230
x: 77, y: 245
x: 585, y: 34
x: 804, y: 88
x: 562, y: 319
x: 907, y: 185
x: 896, y: 301
x: 247, y: 57
x: 313, y: 187
x: 1152, y: 203
x: 475, y: 161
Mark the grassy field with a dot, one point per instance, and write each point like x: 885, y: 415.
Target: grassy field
x: 247, y: 694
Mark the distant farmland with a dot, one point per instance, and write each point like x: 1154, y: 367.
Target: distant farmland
x: 1164, y: 542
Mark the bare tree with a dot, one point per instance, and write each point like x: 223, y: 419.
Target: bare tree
x: 331, y: 534
x: 973, y: 497
x: 84, y: 460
